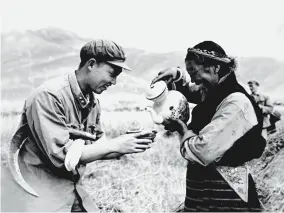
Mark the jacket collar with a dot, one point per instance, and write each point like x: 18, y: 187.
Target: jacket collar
x: 89, y: 101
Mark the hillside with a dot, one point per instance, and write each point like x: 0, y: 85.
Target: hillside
x: 30, y: 57
x: 153, y: 181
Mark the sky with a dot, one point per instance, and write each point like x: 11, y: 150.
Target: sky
x: 242, y: 28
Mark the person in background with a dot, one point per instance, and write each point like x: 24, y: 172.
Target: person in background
x: 52, y: 162
x: 223, y: 135
x: 275, y: 116
x: 264, y: 103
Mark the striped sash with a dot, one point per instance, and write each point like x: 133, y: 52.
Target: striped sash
x: 207, y: 190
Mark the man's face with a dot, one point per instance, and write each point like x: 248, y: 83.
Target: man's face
x: 200, y: 74
x: 253, y: 88
x: 102, y: 76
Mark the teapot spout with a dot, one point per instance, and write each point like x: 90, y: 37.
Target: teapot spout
x: 158, y: 119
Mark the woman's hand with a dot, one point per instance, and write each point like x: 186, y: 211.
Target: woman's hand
x: 168, y: 75
x: 173, y: 125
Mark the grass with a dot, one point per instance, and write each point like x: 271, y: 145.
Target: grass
x: 268, y: 172
x: 154, y: 181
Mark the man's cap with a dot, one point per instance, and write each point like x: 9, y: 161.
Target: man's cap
x: 253, y: 82
x: 104, y: 51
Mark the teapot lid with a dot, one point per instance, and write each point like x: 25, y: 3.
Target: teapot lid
x: 156, y: 90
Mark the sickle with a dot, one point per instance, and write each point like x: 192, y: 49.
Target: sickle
x: 15, y: 145
x: 18, y: 141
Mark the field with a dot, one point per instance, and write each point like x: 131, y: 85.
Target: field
x: 154, y: 181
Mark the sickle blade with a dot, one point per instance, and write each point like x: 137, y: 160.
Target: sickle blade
x: 15, y: 146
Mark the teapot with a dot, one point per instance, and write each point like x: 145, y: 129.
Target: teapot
x: 167, y: 103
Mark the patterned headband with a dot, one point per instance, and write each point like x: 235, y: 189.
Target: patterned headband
x: 210, y: 54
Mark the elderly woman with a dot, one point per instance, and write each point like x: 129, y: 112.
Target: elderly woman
x: 223, y: 135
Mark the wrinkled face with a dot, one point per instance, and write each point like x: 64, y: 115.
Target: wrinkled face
x: 201, y: 74
x: 253, y: 88
x: 102, y: 76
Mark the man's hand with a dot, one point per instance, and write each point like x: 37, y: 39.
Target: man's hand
x: 132, y: 143
x: 173, y: 125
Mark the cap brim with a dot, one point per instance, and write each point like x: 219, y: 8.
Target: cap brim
x: 120, y: 64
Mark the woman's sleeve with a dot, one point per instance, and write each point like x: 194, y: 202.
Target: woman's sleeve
x: 234, y: 117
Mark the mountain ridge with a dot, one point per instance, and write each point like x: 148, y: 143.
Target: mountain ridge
x: 30, y: 57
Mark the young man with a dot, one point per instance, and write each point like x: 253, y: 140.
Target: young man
x: 51, y: 157
x: 264, y: 103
